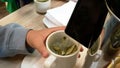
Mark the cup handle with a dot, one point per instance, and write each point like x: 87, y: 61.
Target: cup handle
x: 49, y: 61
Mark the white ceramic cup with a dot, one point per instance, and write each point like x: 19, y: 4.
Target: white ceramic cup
x: 58, y: 61
x: 42, y: 7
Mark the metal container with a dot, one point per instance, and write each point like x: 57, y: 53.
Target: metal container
x: 111, y: 39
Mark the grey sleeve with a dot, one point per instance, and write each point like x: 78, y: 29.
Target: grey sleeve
x: 12, y: 40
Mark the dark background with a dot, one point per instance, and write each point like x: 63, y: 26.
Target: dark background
x: 3, y: 11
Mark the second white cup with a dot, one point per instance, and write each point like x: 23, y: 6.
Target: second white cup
x: 42, y: 6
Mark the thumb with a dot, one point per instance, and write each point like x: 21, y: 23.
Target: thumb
x: 42, y: 49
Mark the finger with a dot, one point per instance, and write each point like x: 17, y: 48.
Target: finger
x: 50, y: 30
x: 58, y: 28
x: 44, y: 33
x: 42, y: 49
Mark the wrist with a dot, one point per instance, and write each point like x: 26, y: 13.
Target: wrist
x: 29, y: 48
x: 28, y: 45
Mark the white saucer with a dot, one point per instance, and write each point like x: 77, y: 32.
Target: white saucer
x: 33, y: 61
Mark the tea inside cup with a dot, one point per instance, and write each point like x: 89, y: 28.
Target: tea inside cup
x: 61, y: 44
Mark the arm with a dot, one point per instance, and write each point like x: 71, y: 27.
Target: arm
x: 12, y: 40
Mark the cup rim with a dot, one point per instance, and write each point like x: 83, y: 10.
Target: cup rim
x: 111, y: 11
x: 40, y: 2
x: 65, y: 56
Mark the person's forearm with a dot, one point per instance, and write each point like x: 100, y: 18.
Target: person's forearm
x: 13, y: 40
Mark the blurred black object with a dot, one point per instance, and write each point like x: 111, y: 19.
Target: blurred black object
x: 87, y: 20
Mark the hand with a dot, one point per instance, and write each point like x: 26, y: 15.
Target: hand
x: 36, y: 39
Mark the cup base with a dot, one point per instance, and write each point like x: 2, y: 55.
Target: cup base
x: 41, y: 12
